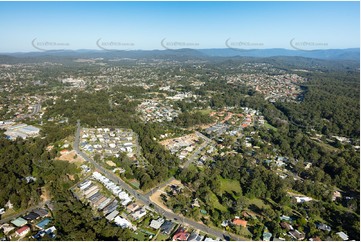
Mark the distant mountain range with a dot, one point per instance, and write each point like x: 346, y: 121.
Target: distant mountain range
x: 335, y: 54
x: 330, y: 54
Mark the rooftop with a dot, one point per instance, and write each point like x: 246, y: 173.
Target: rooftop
x: 43, y: 223
x: 19, y: 222
x: 239, y: 222
x: 22, y: 229
x: 181, y: 235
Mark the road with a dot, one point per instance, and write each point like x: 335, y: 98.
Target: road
x: 7, y: 219
x: 36, y: 109
x: 199, y: 149
x: 165, y: 183
x: 144, y: 198
x: 186, y: 164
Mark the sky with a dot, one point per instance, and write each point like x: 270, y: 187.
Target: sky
x: 34, y: 26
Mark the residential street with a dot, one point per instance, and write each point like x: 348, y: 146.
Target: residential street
x: 145, y: 198
x: 7, y: 219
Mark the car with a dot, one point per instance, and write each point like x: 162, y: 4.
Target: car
x: 226, y: 237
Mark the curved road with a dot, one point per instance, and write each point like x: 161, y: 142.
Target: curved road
x: 145, y: 198
x: 13, y: 216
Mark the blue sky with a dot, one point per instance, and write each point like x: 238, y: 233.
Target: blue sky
x: 143, y: 25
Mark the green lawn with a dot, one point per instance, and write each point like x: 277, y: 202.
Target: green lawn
x: 134, y: 183
x: 245, y: 232
x: 230, y: 186
x: 131, y: 182
x: 205, y: 111
x: 146, y: 221
x: 268, y: 126
x: 141, y: 236
x: 258, y: 202
x: 326, y: 146
x: 162, y: 237
x: 216, y: 204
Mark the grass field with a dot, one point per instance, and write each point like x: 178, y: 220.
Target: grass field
x: 135, y: 183
x: 162, y: 237
x: 216, y: 204
x: 245, y: 232
x: 205, y: 111
x: 140, y: 236
x: 258, y: 202
x: 268, y: 126
x: 325, y: 146
x: 230, y: 186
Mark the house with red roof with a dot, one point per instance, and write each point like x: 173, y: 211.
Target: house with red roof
x: 181, y: 235
x: 23, y: 231
x: 239, y: 222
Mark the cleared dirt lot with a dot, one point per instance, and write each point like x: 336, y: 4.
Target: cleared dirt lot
x: 69, y: 156
x: 187, y: 139
x: 155, y: 197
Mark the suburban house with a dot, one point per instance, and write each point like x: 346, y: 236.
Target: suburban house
x: 41, y: 211
x: 123, y: 223
x: 19, y: 222
x: 323, y: 227
x: 180, y: 235
x: 112, y: 215
x: 239, y: 222
x: 139, y: 214
x: 50, y: 231
x: 131, y: 208
x: 43, y: 224
x: 297, y: 235
x: 167, y: 227
x: 286, y: 226
x: 155, y: 224
x: 31, y: 216
x: 195, y: 237
x: 195, y: 203
x: 285, y: 218
x: 266, y: 236
x: 22, y: 231
x: 342, y: 235
x: 303, y: 199
x: 224, y: 223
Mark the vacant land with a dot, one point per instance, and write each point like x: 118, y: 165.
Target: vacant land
x: 71, y: 157
x: 230, y: 186
x: 188, y: 139
x: 156, y: 195
x: 214, y: 200
x: 268, y: 126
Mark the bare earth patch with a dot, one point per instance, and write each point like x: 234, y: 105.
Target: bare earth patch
x: 158, y: 200
x: 111, y: 163
x: 174, y: 182
x: 190, y: 138
x: 69, y: 156
x: 155, y: 197
x: 45, y: 194
x: 71, y: 177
